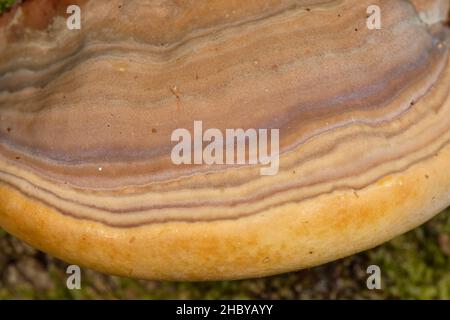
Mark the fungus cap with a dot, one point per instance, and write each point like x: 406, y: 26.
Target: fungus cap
x: 86, y: 118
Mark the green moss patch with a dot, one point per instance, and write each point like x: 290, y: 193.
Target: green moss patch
x: 6, y: 4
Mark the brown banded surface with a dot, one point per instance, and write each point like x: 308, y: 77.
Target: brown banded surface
x: 86, y: 115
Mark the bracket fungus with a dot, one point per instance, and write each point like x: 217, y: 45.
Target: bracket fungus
x: 86, y: 118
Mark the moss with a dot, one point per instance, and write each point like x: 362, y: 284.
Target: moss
x: 6, y: 4
x: 417, y: 264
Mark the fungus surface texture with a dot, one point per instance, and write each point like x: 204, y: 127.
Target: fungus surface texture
x: 87, y: 116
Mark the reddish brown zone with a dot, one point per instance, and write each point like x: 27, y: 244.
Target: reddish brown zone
x: 39, y: 13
